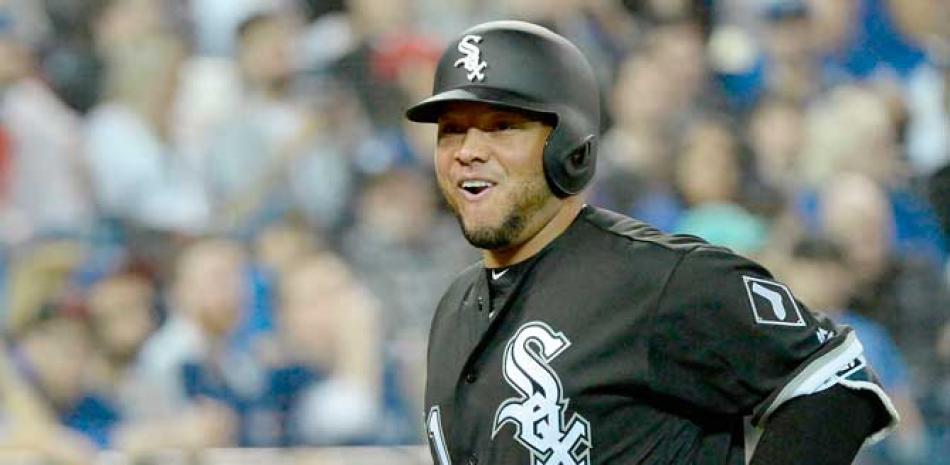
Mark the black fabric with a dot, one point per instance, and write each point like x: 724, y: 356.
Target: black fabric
x: 827, y: 428
x: 502, y: 281
x: 717, y: 344
x: 619, y: 345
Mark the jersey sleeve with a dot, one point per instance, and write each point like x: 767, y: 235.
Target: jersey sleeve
x: 728, y: 338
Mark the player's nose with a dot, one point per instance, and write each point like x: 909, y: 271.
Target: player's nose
x: 474, y: 147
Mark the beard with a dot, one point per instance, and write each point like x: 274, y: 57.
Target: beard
x: 529, y: 197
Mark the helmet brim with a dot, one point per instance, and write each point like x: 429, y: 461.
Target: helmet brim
x: 429, y: 110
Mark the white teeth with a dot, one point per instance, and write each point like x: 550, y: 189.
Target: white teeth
x: 475, y: 184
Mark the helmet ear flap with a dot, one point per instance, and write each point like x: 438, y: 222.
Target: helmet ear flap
x: 568, y: 171
x: 571, y: 153
x: 579, y: 166
x: 580, y: 157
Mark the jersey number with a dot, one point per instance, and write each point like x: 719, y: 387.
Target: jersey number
x: 437, y: 438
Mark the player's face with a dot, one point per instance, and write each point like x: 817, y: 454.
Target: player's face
x: 488, y: 164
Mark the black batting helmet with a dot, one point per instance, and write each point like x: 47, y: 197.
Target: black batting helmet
x: 524, y: 66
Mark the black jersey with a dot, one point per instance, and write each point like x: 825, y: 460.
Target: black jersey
x: 618, y: 344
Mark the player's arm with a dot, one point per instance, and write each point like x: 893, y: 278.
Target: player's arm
x: 826, y: 428
x: 731, y: 340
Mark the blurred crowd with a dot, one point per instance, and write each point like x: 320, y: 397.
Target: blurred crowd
x: 218, y: 231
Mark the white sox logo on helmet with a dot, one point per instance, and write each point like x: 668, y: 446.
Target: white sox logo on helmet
x: 472, y: 61
x: 539, y: 413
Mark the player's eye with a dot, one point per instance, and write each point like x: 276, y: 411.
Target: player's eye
x: 505, y: 125
x: 450, y: 129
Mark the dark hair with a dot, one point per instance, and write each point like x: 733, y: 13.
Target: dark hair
x: 780, y: 10
x: 818, y: 249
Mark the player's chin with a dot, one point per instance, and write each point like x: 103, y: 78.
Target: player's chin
x: 498, y: 234
x: 487, y: 238
x: 475, y: 225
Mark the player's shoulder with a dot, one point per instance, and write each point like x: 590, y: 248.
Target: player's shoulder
x: 645, y: 243
x: 619, y: 228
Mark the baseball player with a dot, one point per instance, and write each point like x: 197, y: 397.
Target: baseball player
x: 587, y: 337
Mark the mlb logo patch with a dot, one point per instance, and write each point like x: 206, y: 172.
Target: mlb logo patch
x: 772, y: 303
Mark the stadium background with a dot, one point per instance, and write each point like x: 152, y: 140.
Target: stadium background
x: 221, y: 243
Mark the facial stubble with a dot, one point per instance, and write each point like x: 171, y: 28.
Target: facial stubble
x: 528, y: 199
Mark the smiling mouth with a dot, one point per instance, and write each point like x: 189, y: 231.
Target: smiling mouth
x: 475, y: 188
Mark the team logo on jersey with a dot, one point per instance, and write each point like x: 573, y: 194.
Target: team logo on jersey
x: 472, y: 61
x: 772, y: 303
x: 538, y: 414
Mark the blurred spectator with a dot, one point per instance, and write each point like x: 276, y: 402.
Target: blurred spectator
x: 385, y: 60
x: 29, y: 424
x: 708, y: 176
x: 327, y: 385
x: 679, y: 47
x: 53, y: 357
x: 852, y: 130
x: 199, y: 383
x: 374, y: 24
x: 923, y: 22
x: 410, y: 61
x: 122, y: 316
x: 43, y: 189
x: 791, y: 43
x: 273, y: 154
x: 634, y: 165
x: 880, y: 40
x: 277, y: 249
x: 903, y: 294
x: 775, y: 132
x: 819, y: 274
x: 137, y: 172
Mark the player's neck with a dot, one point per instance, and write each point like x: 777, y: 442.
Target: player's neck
x: 501, y: 258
